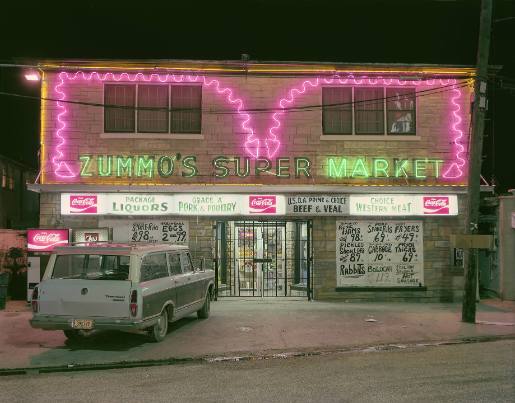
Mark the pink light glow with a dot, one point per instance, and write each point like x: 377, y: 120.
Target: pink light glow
x: 63, y: 170
x: 32, y: 76
x: 252, y: 143
x: 454, y: 170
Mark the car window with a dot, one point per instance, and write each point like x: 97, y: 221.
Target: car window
x: 154, y: 266
x: 186, y: 262
x: 91, y: 267
x: 175, y: 263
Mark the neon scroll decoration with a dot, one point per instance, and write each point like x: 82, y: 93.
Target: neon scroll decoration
x: 63, y: 170
x: 253, y: 143
x: 454, y: 170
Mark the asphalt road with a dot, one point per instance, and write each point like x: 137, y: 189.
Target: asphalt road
x: 479, y: 372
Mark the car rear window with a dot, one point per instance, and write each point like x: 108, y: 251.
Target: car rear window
x: 91, y: 267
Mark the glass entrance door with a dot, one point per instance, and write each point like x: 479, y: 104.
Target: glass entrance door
x: 262, y: 258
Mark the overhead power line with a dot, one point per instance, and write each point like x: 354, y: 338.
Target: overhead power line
x: 418, y: 94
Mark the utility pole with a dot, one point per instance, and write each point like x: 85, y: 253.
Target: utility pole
x: 468, y: 313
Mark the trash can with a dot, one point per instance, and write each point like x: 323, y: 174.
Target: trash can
x: 4, y: 282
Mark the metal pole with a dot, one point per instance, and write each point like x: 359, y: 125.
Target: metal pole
x: 468, y: 313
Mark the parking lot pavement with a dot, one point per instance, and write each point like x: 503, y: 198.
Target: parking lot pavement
x: 256, y: 327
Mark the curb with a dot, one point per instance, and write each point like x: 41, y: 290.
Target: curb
x: 252, y: 356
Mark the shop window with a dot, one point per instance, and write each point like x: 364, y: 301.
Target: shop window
x: 337, y: 110
x: 186, y: 108
x: 160, y: 108
x: 400, y: 109
x: 155, y: 97
x: 120, y: 118
x: 369, y: 110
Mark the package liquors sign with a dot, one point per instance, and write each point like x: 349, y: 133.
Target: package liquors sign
x: 132, y: 204
x: 153, y: 231
x: 379, y: 254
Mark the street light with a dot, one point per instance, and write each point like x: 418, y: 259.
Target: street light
x: 32, y: 75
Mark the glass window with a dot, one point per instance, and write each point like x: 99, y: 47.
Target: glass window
x: 174, y: 261
x: 400, y: 108
x: 337, y: 110
x: 68, y: 266
x: 186, y: 102
x: 154, y: 266
x: 91, y: 267
x: 369, y: 110
x: 122, y: 117
x: 186, y: 262
x: 153, y: 96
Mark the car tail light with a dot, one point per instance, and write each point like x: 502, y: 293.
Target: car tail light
x: 34, y: 301
x: 134, y: 303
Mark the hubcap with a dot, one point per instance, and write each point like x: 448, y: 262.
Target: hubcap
x: 161, y: 324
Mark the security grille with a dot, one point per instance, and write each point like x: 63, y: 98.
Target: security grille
x: 263, y: 258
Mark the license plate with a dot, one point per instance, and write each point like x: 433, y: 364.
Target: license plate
x: 82, y: 324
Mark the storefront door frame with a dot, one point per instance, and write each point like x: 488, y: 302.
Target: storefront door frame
x: 296, y: 261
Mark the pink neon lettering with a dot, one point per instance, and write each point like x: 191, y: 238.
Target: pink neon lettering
x: 252, y: 143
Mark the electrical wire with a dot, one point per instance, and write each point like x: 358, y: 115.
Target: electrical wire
x: 418, y: 94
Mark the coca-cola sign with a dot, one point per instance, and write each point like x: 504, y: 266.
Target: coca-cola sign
x: 83, y: 204
x: 262, y: 204
x: 45, y: 240
x: 436, y: 205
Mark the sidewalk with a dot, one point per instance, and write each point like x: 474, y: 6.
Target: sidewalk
x: 256, y: 327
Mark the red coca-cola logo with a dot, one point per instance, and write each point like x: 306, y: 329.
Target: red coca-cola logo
x: 46, y: 240
x: 262, y: 204
x: 83, y: 204
x: 46, y: 237
x: 436, y: 205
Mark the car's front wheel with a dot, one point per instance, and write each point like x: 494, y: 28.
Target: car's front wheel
x: 158, y: 332
x: 203, y: 312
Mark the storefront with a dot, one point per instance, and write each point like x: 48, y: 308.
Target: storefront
x: 348, y: 187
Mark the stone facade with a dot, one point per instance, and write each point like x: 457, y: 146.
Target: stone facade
x: 70, y: 131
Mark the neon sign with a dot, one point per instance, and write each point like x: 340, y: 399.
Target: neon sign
x: 255, y: 147
x: 358, y: 167
x: 165, y: 166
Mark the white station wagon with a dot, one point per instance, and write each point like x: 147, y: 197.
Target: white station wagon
x: 120, y: 287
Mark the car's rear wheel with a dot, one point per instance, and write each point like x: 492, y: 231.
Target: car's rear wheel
x: 203, y: 313
x: 158, y: 332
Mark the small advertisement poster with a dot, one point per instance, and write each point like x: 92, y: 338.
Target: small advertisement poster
x: 318, y: 205
x: 86, y: 235
x: 153, y: 231
x: 379, y: 254
x: 45, y: 240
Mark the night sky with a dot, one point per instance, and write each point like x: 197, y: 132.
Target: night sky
x: 394, y: 31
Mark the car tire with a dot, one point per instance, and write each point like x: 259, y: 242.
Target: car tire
x: 203, y: 313
x: 158, y: 332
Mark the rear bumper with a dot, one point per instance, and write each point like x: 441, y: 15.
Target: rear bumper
x: 52, y: 322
